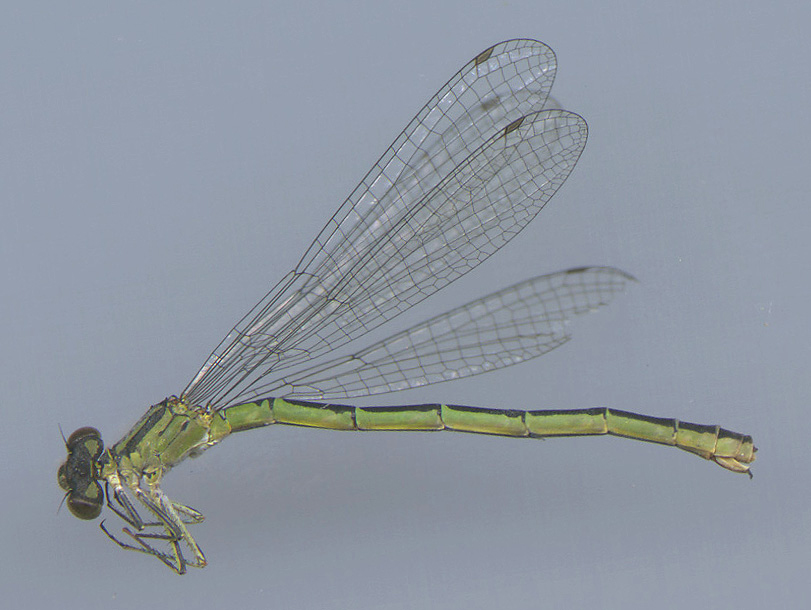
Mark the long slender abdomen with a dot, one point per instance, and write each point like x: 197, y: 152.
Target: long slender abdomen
x: 728, y: 449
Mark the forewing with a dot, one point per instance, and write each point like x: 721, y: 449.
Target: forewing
x: 380, y: 252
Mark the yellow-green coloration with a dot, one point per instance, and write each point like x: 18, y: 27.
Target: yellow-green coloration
x: 729, y: 449
x: 474, y: 166
x: 423, y: 417
x: 172, y: 430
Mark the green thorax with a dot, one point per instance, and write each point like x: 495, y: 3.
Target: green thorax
x: 168, y: 432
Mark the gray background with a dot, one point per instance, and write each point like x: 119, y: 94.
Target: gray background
x: 163, y: 166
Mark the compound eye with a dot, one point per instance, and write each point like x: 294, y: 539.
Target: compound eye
x: 86, y: 505
x: 89, y: 438
x: 78, y: 474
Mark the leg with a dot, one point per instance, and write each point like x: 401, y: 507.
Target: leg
x: 171, y: 518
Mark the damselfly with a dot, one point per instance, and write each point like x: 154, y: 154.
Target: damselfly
x: 475, y: 165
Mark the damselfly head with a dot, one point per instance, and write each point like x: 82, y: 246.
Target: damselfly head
x: 78, y: 473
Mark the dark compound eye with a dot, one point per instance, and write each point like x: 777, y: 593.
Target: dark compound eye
x: 78, y: 474
x: 87, y: 503
x: 86, y: 437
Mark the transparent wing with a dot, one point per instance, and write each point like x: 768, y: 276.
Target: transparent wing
x: 440, y: 200
x: 480, y: 206
x: 504, y: 328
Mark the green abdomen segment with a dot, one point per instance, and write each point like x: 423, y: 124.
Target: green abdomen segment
x: 728, y: 449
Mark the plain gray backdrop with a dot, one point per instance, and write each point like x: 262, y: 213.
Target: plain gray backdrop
x: 163, y: 166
